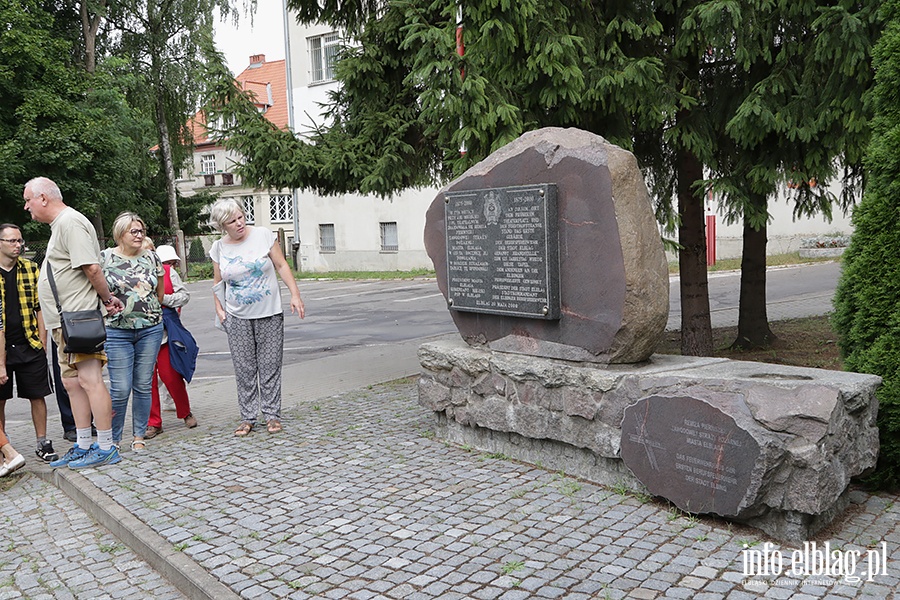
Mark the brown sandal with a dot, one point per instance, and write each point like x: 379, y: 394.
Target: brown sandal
x: 274, y: 426
x: 244, y: 429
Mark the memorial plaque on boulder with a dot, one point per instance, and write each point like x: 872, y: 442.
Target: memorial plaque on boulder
x: 502, y: 253
x: 690, y: 453
x: 613, y: 281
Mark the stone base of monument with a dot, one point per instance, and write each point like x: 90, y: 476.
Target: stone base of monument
x: 767, y: 445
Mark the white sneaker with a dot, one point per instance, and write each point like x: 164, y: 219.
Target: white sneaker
x: 15, y: 464
x: 165, y: 400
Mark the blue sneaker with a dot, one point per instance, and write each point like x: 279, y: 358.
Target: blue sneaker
x: 96, y: 457
x: 74, y: 453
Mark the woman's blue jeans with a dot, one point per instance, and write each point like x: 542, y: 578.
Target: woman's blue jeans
x: 132, y: 357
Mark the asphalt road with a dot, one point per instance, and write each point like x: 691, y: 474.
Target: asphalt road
x: 343, y: 315
x: 340, y: 315
x: 347, y: 315
x: 791, y: 291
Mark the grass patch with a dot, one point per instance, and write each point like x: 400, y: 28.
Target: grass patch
x: 806, y: 342
x: 6, y: 483
x: 774, y: 260
x: 202, y: 271
x: 413, y: 274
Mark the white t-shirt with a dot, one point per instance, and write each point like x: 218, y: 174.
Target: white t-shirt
x: 251, y: 284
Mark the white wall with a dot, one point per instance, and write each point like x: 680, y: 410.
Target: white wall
x: 357, y: 231
x: 784, y: 232
x: 356, y: 218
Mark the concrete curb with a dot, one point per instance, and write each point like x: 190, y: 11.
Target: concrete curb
x: 190, y: 578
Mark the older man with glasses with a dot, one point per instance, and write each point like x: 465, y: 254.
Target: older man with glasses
x: 26, y: 358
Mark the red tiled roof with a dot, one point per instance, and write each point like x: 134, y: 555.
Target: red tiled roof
x: 259, y: 79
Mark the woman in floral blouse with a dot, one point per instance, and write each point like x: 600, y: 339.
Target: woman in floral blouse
x: 133, y: 336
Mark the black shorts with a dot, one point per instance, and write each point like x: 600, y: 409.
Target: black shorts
x: 30, y: 368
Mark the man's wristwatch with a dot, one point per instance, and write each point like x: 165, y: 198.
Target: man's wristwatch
x: 108, y: 301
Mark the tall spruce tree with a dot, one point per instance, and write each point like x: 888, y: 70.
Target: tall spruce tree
x: 867, y: 302
x: 685, y: 84
x: 792, y: 113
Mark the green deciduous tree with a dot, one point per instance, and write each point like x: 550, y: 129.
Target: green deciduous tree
x: 61, y: 122
x: 867, y: 302
x: 169, y: 46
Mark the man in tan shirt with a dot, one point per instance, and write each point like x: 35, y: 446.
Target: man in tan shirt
x: 73, y: 254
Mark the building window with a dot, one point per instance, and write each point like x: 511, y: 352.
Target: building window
x: 389, y: 237
x: 326, y: 238
x: 209, y: 180
x: 227, y: 179
x: 249, y: 212
x: 323, y: 50
x: 281, y: 208
x: 208, y: 163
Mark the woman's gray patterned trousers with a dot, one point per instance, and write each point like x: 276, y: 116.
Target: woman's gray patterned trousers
x: 257, y: 350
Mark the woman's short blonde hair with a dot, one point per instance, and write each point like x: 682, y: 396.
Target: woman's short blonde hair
x: 223, y: 211
x: 123, y: 223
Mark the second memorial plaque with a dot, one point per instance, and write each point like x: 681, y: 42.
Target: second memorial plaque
x: 502, y: 251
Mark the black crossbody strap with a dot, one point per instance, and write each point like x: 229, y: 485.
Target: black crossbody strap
x: 53, y: 286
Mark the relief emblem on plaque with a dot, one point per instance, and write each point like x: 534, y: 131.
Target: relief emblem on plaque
x: 492, y: 208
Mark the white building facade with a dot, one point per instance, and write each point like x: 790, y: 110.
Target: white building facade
x: 347, y: 232
x: 212, y: 167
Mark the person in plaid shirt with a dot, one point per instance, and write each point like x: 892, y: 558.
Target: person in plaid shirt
x: 26, y: 359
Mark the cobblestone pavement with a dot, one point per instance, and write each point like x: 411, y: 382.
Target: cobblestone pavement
x: 356, y: 499
x: 52, y: 549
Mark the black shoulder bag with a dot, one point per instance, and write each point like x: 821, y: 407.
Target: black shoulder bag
x: 83, y: 331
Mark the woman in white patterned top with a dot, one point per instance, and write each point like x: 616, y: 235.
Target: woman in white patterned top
x: 246, y: 261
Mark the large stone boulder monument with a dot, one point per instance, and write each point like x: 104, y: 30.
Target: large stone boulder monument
x: 552, y: 266
x: 607, y: 271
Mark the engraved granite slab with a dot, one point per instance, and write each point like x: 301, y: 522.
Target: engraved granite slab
x: 690, y: 453
x: 502, y: 251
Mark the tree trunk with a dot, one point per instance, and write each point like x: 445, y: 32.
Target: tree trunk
x: 90, y: 24
x: 165, y: 147
x: 753, y: 321
x: 696, y: 329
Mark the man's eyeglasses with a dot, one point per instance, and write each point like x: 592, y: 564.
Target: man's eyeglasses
x: 22, y: 242
x: 136, y: 232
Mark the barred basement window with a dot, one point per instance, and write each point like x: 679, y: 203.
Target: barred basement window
x: 323, y: 50
x: 249, y: 207
x: 326, y: 238
x: 281, y: 208
x: 389, y: 241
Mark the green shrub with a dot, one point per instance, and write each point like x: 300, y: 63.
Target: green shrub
x: 200, y: 271
x: 196, y: 253
x: 867, y: 301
